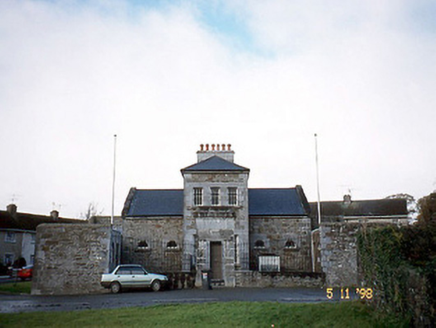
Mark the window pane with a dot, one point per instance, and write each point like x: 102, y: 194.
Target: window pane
x: 198, y: 196
x: 233, y: 199
x: 215, y: 196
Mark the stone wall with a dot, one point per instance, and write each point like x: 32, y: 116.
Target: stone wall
x: 70, y: 258
x: 339, y: 253
x: 287, y: 237
x: 278, y: 280
x: 339, y: 256
x: 154, y: 242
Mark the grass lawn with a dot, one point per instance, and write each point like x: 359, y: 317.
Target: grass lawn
x: 228, y: 314
x: 16, y: 288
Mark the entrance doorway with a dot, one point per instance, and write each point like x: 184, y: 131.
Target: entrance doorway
x: 216, y: 260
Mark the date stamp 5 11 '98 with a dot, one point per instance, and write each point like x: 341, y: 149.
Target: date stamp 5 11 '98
x: 363, y: 293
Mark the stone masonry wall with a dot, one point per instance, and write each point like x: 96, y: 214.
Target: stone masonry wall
x: 278, y: 235
x: 146, y: 241
x: 339, y: 253
x: 226, y: 224
x: 278, y: 280
x: 70, y: 258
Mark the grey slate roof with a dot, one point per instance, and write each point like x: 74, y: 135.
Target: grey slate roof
x: 160, y: 202
x: 276, y: 202
x: 29, y: 222
x: 376, y: 207
x: 215, y: 163
x: 165, y: 202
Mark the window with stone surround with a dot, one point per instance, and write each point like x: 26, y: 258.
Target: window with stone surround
x: 233, y: 195
x: 215, y: 193
x: 198, y: 196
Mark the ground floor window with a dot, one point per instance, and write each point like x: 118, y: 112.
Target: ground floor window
x: 9, y: 259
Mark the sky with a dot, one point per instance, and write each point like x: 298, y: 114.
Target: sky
x: 167, y: 76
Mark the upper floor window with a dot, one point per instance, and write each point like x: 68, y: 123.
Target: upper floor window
x: 233, y: 196
x: 198, y: 196
x: 215, y: 195
x: 10, y: 237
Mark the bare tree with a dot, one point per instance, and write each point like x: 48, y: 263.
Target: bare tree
x: 91, y: 211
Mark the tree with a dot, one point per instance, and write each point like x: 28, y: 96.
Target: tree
x: 411, y: 205
x: 427, y: 210
x: 91, y: 211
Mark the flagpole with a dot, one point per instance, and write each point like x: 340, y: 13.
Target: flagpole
x: 113, y: 179
x: 317, y: 180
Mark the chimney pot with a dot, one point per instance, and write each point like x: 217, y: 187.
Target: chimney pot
x: 347, y: 199
x: 229, y: 146
x: 201, y: 147
x: 207, y: 147
x: 223, y: 147
x: 217, y: 146
x: 213, y: 146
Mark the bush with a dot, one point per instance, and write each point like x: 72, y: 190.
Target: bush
x: 399, y: 264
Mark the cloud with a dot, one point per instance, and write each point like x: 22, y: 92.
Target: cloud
x: 170, y: 76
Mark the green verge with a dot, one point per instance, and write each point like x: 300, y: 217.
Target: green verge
x: 227, y: 314
x: 16, y: 287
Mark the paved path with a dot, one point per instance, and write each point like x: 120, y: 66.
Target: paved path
x: 28, y: 303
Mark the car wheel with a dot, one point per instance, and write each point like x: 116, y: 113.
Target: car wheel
x: 156, y: 285
x: 115, y: 287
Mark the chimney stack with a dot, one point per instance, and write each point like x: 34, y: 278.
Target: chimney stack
x: 12, y: 209
x: 347, y: 199
x: 54, y: 215
x: 216, y: 150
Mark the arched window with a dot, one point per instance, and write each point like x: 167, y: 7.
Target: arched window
x: 259, y: 244
x: 290, y: 244
x: 172, y: 244
x: 142, y: 245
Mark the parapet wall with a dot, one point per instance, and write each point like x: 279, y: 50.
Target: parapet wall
x: 70, y: 258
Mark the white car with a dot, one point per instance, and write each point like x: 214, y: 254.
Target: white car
x: 127, y: 276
